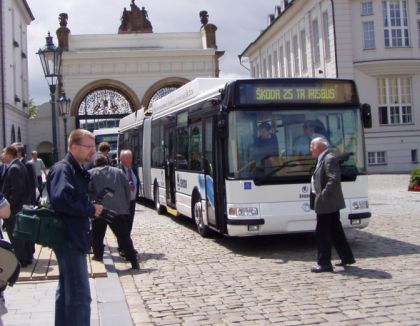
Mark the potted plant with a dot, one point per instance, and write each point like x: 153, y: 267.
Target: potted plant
x: 414, y: 184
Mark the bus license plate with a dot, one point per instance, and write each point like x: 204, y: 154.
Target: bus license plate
x: 357, y: 221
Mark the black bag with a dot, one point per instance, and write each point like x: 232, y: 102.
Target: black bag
x: 9, y: 265
x: 40, y: 225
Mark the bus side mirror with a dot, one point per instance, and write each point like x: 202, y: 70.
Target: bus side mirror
x: 366, y: 116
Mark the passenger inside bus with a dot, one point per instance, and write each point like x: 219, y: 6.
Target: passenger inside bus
x: 311, y: 130
x: 265, y: 146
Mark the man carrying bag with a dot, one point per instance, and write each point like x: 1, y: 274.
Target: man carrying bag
x: 67, y: 188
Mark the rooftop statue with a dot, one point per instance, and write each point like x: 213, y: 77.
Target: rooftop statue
x: 135, y: 20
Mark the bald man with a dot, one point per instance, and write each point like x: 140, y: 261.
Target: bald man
x: 326, y: 198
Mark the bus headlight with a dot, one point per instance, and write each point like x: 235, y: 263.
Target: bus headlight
x: 360, y: 204
x: 243, y: 211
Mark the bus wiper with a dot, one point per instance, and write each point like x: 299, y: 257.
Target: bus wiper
x: 287, y: 164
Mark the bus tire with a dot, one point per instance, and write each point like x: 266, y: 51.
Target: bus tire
x: 160, y: 209
x: 197, y: 211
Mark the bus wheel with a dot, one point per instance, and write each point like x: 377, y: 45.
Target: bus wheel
x: 159, y: 208
x: 202, y: 229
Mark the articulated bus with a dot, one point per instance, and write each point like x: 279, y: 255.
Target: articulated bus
x: 197, y: 152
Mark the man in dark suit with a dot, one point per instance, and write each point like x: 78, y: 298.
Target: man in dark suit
x: 21, y: 152
x: 126, y: 159
x: 327, y: 199
x: 15, y: 190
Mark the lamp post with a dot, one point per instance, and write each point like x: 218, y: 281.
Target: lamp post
x: 64, y: 107
x: 50, y: 57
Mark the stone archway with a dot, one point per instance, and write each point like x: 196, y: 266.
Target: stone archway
x: 104, y: 84
x: 169, y: 82
x: 102, y: 104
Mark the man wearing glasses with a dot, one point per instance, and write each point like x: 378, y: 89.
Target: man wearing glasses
x: 67, y: 187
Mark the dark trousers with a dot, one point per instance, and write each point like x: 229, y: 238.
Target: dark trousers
x: 130, y: 218
x: 329, y: 230
x: 24, y: 249
x: 120, y: 229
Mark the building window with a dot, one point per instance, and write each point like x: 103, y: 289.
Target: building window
x: 288, y: 60
x: 281, y: 62
x: 418, y: 7
x: 414, y: 156
x: 19, y: 136
x: 13, y: 135
x: 418, y: 32
x: 367, y: 8
x: 315, y: 43
x: 395, y: 23
x: 264, y: 67
x: 270, y: 67
x: 296, y: 55
x: 395, y: 101
x: 376, y: 158
x: 275, y: 65
x: 326, y: 35
x: 303, y: 50
x: 368, y: 35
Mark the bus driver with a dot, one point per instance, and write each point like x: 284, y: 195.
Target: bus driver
x: 266, y: 144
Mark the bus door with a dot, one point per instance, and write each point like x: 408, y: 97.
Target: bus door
x: 209, y: 169
x: 169, y: 136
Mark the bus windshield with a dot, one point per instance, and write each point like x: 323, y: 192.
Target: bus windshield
x: 272, y: 146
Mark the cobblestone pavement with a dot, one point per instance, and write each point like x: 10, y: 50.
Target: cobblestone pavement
x: 186, y: 279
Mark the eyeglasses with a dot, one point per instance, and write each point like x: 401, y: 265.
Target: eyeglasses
x: 86, y: 146
x: 306, y: 126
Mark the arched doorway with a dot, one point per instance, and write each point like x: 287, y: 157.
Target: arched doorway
x: 161, y: 88
x: 102, y: 108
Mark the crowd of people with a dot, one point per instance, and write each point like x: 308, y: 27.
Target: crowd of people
x: 89, y: 194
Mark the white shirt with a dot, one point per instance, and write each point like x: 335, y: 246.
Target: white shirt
x: 320, y: 158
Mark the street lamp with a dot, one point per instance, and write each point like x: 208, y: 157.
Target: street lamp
x: 50, y: 57
x: 64, y: 108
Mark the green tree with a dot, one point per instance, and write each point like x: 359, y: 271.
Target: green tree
x: 32, y: 109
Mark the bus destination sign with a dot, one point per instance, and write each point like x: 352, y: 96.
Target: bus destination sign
x: 328, y: 93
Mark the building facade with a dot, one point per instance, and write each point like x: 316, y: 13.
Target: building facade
x: 15, y: 16
x: 135, y: 65
x: 374, y: 42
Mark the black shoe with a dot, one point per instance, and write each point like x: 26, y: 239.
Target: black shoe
x: 121, y: 253
x: 321, y: 269
x: 345, y: 263
x: 135, y: 265
x: 97, y: 258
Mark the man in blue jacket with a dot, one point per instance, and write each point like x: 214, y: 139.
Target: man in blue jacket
x: 67, y: 187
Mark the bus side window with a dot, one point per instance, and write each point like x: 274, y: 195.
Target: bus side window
x: 196, y: 147
x: 182, y: 148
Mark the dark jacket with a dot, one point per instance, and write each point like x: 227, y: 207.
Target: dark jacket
x: 67, y: 187
x: 327, y: 178
x: 15, y: 186
x: 114, y: 179
x: 123, y: 168
x: 32, y: 180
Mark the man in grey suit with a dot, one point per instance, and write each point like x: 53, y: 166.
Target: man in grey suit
x: 109, y: 185
x: 327, y: 199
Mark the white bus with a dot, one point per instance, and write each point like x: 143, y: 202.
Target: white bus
x: 197, y: 154
x: 109, y: 135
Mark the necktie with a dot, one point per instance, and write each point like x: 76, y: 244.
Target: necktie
x: 130, y: 179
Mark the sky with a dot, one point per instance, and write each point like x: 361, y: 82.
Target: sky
x: 239, y: 22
